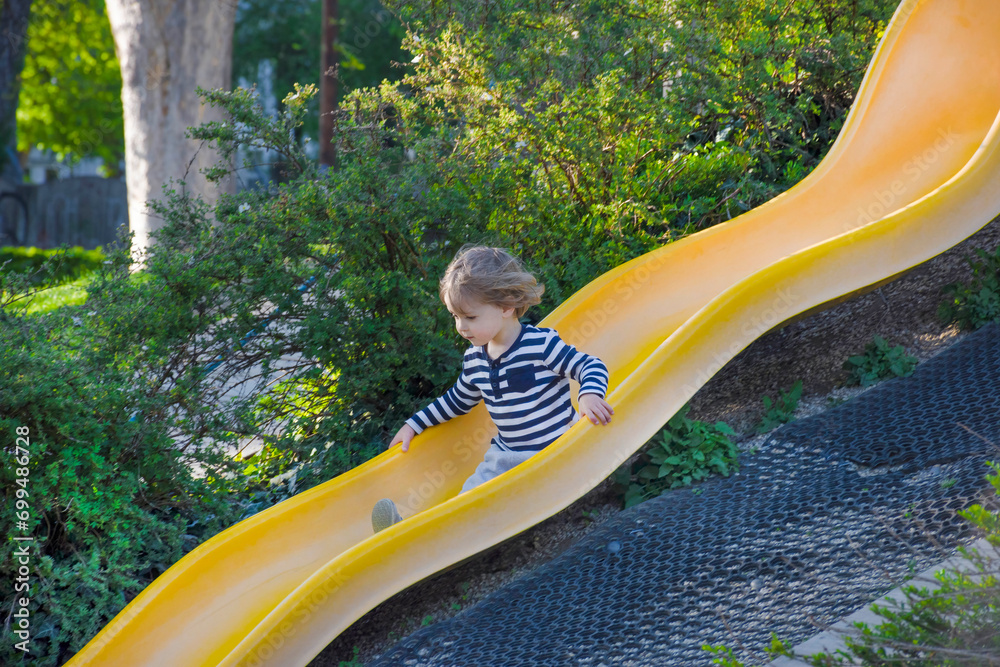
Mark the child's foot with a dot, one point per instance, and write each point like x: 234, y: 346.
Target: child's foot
x: 384, y: 515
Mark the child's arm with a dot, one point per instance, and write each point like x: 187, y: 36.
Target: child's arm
x: 458, y: 400
x: 588, y: 370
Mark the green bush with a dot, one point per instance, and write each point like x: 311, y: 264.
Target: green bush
x: 684, y: 452
x: 647, y: 117
x: 877, y: 362
x: 782, y: 410
x: 110, y: 503
x: 977, y: 303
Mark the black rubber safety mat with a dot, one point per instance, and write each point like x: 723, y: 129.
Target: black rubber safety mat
x: 832, y: 512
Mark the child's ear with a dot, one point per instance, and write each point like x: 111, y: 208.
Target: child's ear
x: 508, y: 312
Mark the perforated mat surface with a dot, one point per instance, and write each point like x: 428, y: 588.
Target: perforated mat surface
x: 832, y: 512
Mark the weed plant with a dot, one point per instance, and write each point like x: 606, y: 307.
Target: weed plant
x: 973, y: 304
x: 684, y: 452
x: 781, y: 410
x: 878, y: 362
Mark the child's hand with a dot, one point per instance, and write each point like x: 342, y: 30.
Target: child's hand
x: 596, y: 409
x: 403, y: 435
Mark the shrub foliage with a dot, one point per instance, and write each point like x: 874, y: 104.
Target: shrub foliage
x: 878, y: 362
x: 684, y: 452
x: 973, y: 304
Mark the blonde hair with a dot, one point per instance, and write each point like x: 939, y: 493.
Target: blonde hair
x: 492, y: 276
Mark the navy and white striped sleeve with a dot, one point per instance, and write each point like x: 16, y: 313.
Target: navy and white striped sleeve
x: 588, y: 370
x: 458, y: 400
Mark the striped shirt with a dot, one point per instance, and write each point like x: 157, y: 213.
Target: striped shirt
x: 526, y: 389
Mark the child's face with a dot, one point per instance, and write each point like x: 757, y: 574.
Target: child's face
x: 479, y: 322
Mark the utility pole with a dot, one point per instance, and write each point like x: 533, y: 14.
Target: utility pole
x: 328, y: 84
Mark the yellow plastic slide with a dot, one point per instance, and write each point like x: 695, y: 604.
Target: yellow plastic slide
x: 916, y: 170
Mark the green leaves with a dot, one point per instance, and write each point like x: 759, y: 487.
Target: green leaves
x: 109, y: 498
x: 52, y: 266
x: 628, y: 126
x: 684, y: 452
x: 70, y: 99
x: 782, y: 410
x: 879, y: 361
x: 976, y: 303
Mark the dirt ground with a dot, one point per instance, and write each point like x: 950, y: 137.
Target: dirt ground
x: 812, y: 349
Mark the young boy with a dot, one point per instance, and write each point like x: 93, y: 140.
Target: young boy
x: 521, y: 371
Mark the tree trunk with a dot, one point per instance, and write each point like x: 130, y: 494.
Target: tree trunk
x: 328, y: 83
x: 166, y: 48
x: 14, y: 15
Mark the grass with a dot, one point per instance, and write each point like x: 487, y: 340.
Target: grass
x: 71, y: 293
x: 50, y: 299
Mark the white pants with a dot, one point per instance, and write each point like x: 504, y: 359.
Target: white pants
x: 496, y: 462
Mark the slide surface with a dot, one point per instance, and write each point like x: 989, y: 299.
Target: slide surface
x: 915, y: 170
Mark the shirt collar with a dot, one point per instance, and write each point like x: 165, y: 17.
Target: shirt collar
x: 520, y: 335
